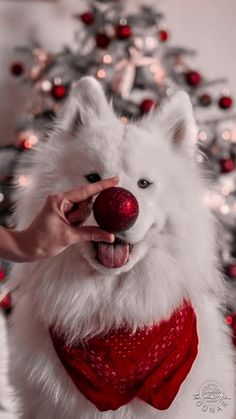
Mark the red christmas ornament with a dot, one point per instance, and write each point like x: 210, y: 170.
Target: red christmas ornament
x: 163, y: 35
x: 87, y: 18
x: 5, y: 303
x: 233, y: 325
x: 225, y: 102
x: 123, y: 31
x: 59, y: 91
x: 115, y: 209
x: 17, y: 69
x: 230, y: 320
x: 2, y: 274
x: 146, y: 105
x: 102, y: 40
x: 8, y: 179
x: 193, y: 78
x: 205, y: 100
x: 227, y: 165
x: 230, y: 270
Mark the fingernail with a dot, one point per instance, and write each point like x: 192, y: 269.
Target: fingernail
x: 66, y: 206
x: 111, y: 238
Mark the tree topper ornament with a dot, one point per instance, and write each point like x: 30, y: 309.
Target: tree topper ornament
x: 125, y: 71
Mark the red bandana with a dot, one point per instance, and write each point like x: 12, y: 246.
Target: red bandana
x: 150, y: 364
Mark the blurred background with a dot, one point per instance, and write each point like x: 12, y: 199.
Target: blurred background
x: 205, y: 25
x: 141, y: 51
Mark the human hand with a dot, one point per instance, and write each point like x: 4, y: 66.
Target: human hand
x: 56, y: 227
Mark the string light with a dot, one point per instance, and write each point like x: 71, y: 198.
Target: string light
x: 23, y: 181
x: 107, y: 59
x: 226, y: 135
x: 57, y: 81
x: 46, y: 86
x: 202, y: 135
x: 224, y: 209
x: 101, y: 73
x: 227, y: 186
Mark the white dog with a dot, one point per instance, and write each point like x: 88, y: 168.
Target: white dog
x: 145, y: 338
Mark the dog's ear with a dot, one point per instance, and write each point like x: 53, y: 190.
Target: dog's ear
x: 87, y: 102
x: 177, y: 120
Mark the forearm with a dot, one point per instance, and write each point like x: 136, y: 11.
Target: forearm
x: 12, y: 247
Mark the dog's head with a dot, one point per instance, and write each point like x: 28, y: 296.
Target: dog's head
x: 153, y: 159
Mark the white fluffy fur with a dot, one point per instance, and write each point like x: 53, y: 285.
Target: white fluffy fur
x: 8, y: 409
x: 174, y: 256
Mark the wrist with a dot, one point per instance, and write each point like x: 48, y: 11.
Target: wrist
x: 25, y: 249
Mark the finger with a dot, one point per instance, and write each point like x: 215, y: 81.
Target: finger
x: 91, y: 233
x: 68, y: 208
x: 80, y: 212
x: 84, y: 192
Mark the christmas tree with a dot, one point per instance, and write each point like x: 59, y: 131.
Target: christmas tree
x: 132, y: 56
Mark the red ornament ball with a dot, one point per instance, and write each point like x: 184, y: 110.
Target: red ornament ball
x: 115, y: 209
x: 193, y: 78
x: 59, y: 91
x: 7, y: 180
x: 233, y: 325
x: 6, y: 304
x: 225, y: 102
x: 230, y: 270
x: 87, y: 18
x: 227, y: 165
x: 230, y: 320
x: 17, y: 69
x: 146, y: 105
x: 2, y: 275
x: 102, y: 40
x: 123, y: 31
x: 163, y: 35
x: 205, y: 100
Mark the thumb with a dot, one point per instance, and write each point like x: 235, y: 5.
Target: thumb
x: 65, y: 207
x: 91, y: 233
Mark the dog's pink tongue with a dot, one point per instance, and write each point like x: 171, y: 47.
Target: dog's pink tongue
x: 113, y: 256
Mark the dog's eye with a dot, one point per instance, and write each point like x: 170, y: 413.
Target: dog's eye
x: 144, y: 183
x: 93, y: 177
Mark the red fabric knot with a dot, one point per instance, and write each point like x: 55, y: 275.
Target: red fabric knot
x: 150, y: 364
